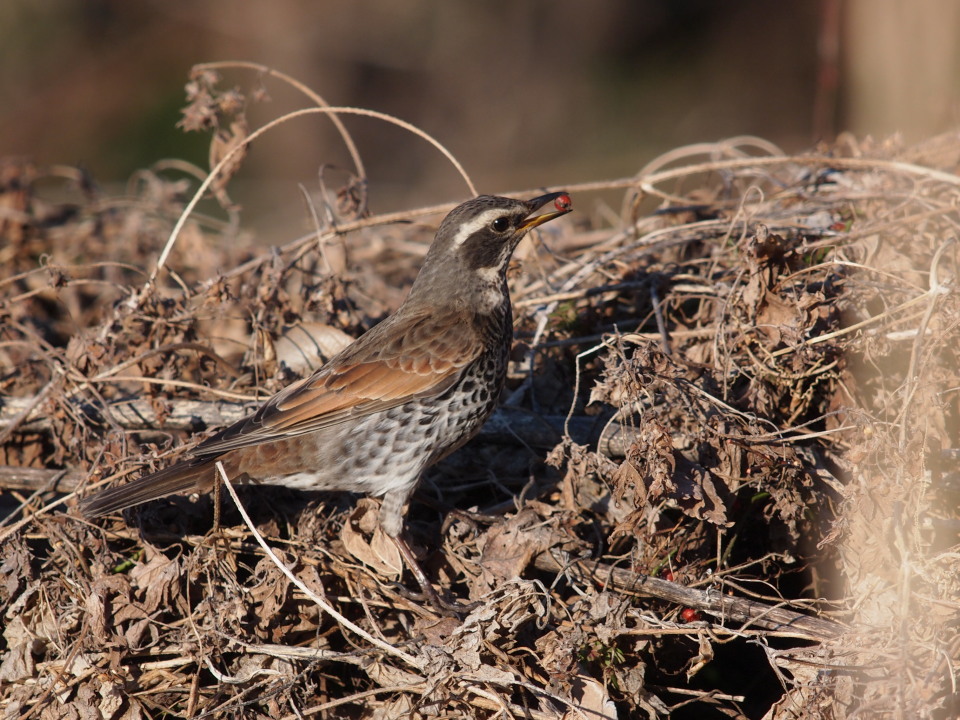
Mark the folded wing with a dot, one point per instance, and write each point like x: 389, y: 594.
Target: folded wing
x: 403, y: 358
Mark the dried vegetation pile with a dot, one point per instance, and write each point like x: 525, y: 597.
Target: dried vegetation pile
x: 723, y: 483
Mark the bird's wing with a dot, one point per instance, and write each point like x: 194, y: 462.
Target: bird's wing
x: 412, y: 356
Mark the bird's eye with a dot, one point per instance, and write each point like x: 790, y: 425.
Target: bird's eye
x: 500, y: 224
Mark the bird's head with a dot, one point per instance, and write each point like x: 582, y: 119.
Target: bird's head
x: 474, y: 243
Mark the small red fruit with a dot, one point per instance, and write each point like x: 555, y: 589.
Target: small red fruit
x: 689, y: 615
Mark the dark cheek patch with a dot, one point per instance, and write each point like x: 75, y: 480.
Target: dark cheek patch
x: 483, y: 250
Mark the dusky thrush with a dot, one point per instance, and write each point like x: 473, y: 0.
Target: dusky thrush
x: 404, y: 395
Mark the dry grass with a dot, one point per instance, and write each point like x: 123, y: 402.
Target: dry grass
x: 724, y: 482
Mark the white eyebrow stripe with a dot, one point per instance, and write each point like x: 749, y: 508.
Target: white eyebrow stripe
x: 480, y: 221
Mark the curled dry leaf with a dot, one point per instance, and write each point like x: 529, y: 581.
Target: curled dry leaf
x: 379, y: 552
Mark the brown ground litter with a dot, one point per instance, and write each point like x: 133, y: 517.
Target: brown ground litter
x: 724, y: 482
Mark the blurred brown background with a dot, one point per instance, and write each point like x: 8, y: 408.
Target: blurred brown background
x: 525, y: 93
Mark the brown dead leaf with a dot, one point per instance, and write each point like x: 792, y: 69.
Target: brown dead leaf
x: 508, y: 547
x: 590, y: 699
x: 306, y: 346
x: 112, y: 697
x: 380, y: 552
x: 18, y: 662
x: 704, y: 655
x: 776, y: 319
x: 270, y: 593
x: 158, y: 578
x: 15, y: 569
x: 701, y: 494
x: 654, y: 471
x: 224, y: 141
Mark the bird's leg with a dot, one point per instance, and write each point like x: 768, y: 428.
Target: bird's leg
x: 439, y: 604
x: 391, y: 520
x: 421, y: 577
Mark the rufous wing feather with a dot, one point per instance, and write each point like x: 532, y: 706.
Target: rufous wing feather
x: 390, y: 365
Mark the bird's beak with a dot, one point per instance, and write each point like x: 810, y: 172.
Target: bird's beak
x: 561, y: 203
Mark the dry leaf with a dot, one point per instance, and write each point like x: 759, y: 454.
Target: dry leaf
x: 380, y: 552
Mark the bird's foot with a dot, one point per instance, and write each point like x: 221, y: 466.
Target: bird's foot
x: 439, y: 604
x: 428, y: 593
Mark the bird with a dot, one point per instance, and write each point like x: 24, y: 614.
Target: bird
x: 401, y: 397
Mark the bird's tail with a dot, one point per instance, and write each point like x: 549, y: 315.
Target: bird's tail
x: 190, y: 475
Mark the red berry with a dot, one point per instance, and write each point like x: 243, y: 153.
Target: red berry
x: 563, y: 202
x: 689, y: 615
